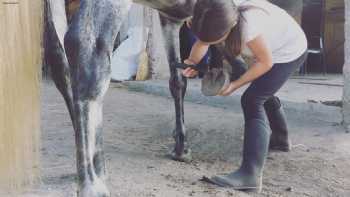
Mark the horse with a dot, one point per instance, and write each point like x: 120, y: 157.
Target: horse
x: 79, y: 53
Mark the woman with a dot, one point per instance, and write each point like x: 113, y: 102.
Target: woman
x: 187, y: 40
x: 263, y: 31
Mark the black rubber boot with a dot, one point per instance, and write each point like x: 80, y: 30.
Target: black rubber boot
x: 255, y: 148
x: 279, y: 140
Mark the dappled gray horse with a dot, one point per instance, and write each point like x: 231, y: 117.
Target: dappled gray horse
x: 79, y: 52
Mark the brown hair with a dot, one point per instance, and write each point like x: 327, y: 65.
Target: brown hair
x: 213, y: 19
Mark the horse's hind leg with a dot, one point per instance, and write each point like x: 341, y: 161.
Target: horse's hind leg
x: 89, y: 44
x: 56, y: 27
x: 177, y: 84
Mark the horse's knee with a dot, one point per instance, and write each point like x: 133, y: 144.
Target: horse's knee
x: 73, y: 44
x: 103, y: 45
x: 89, y: 59
x: 177, y: 84
x: 177, y: 81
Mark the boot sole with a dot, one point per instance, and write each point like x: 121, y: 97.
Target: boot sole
x: 280, y: 148
x: 249, y: 189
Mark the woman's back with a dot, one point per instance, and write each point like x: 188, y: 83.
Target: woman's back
x: 282, y: 33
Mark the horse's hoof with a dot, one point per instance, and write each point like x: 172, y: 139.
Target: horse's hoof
x: 97, y: 189
x: 186, y: 156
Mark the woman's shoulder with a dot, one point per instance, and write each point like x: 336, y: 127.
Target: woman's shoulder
x: 260, y: 10
x: 252, y: 13
x: 261, y: 5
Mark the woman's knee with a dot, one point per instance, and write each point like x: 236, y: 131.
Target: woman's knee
x: 244, y: 100
x: 247, y: 99
x: 251, y: 100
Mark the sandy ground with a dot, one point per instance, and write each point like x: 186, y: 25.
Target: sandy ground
x: 137, y: 131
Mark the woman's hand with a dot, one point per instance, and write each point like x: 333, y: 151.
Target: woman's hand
x: 264, y: 63
x: 189, y: 72
x: 198, y: 51
x: 227, y: 90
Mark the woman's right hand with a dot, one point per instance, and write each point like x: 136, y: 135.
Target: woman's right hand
x: 189, y: 72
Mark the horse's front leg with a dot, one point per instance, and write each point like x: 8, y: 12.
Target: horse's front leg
x: 89, y: 44
x: 177, y: 85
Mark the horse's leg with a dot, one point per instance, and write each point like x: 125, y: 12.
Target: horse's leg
x: 89, y: 44
x: 177, y: 84
x: 55, y: 55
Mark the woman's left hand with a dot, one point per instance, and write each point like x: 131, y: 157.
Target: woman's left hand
x: 228, y: 89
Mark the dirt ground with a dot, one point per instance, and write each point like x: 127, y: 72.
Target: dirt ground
x: 137, y: 133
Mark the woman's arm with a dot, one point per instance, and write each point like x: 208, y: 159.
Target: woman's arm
x: 262, y: 65
x: 198, y: 51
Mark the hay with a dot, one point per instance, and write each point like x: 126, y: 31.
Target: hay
x: 143, y: 70
x: 20, y: 60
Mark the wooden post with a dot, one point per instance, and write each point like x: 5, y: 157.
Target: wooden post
x: 20, y: 57
x: 346, y: 69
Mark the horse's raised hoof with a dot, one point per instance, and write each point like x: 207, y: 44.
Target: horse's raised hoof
x: 186, y: 156
x: 97, y: 189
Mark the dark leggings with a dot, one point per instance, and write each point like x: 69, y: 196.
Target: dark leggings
x: 265, y: 87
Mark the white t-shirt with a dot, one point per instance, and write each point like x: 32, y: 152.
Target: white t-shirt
x: 283, y: 35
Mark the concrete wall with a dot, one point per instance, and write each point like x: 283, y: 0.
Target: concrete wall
x: 155, y: 47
